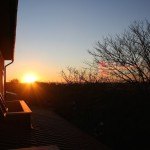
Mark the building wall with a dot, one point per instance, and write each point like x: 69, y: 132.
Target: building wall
x: 1, y: 74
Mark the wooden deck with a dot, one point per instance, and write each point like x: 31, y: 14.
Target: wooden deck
x: 49, y: 130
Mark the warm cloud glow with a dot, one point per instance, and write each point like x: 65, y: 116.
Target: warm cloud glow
x: 29, y: 78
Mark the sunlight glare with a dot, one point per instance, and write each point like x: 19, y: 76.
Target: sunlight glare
x: 29, y: 78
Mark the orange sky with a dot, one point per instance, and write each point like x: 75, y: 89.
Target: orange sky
x: 41, y: 72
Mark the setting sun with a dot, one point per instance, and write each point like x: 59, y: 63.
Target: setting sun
x: 29, y: 78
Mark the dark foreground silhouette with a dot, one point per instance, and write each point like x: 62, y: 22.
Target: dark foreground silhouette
x: 116, y: 114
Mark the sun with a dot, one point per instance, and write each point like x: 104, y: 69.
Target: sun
x: 29, y: 78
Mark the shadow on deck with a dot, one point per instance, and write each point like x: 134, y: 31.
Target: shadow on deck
x: 48, y: 129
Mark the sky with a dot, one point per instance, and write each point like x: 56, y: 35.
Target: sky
x: 54, y: 34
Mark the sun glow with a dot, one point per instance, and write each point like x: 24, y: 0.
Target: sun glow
x: 29, y: 78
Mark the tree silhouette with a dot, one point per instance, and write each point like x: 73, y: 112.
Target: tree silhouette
x: 126, y: 57
x: 84, y: 75
x: 15, y: 81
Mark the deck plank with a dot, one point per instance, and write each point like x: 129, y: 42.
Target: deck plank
x: 49, y: 129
